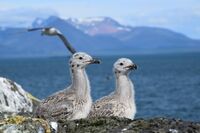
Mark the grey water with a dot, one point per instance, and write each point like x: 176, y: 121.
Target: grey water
x: 165, y: 85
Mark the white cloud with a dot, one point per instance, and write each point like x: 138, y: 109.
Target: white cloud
x: 22, y: 17
x: 184, y: 20
x: 179, y: 15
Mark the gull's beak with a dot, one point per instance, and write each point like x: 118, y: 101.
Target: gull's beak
x: 95, y: 61
x: 132, y: 67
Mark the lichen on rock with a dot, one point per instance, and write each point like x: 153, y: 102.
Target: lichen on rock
x: 19, y: 123
x: 14, y: 99
x: 27, y: 123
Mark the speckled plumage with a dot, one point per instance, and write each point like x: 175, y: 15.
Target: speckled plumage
x: 64, y: 105
x: 75, y: 101
x: 121, y: 102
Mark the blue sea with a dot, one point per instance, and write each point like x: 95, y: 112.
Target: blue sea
x: 166, y: 85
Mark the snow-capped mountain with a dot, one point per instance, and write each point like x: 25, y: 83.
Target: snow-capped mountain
x: 40, y: 22
x: 98, y: 25
x: 91, y: 26
x: 105, y: 36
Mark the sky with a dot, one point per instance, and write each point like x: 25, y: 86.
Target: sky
x: 178, y: 15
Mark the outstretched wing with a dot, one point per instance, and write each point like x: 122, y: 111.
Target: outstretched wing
x: 67, y: 44
x: 39, y: 28
x: 60, y: 35
x: 34, y: 29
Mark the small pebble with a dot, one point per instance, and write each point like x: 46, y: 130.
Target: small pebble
x: 173, y: 131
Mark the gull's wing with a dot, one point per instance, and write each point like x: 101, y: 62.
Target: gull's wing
x: 34, y: 29
x: 57, y: 107
x: 67, y: 44
x: 107, y: 106
x: 102, y: 107
x: 38, y: 28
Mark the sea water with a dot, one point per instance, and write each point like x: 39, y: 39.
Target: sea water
x: 165, y: 85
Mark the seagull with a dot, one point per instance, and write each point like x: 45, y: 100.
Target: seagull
x: 121, y: 102
x: 51, y: 31
x: 75, y: 101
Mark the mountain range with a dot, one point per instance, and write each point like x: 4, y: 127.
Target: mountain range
x: 99, y: 36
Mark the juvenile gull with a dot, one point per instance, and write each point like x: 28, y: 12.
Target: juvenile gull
x: 121, y: 102
x: 51, y: 31
x: 75, y: 101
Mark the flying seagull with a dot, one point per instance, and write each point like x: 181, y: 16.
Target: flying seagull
x: 75, y: 101
x: 51, y: 31
x: 121, y: 102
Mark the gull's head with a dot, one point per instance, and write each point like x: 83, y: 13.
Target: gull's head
x: 124, y: 66
x: 80, y: 60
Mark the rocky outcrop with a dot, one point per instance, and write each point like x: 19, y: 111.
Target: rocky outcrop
x: 23, y: 124
x: 101, y: 125
x: 119, y: 125
x: 14, y: 99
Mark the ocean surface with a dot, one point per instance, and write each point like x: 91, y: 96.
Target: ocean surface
x: 165, y: 85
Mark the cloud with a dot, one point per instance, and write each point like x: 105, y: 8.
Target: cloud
x: 179, y: 15
x: 181, y: 20
x: 22, y: 17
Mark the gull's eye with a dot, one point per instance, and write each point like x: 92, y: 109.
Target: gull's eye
x: 121, y: 64
x: 80, y: 58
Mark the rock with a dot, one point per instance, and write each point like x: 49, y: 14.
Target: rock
x: 28, y: 124
x: 25, y: 124
x: 34, y: 100
x: 119, y: 125
x: 14, y: 99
